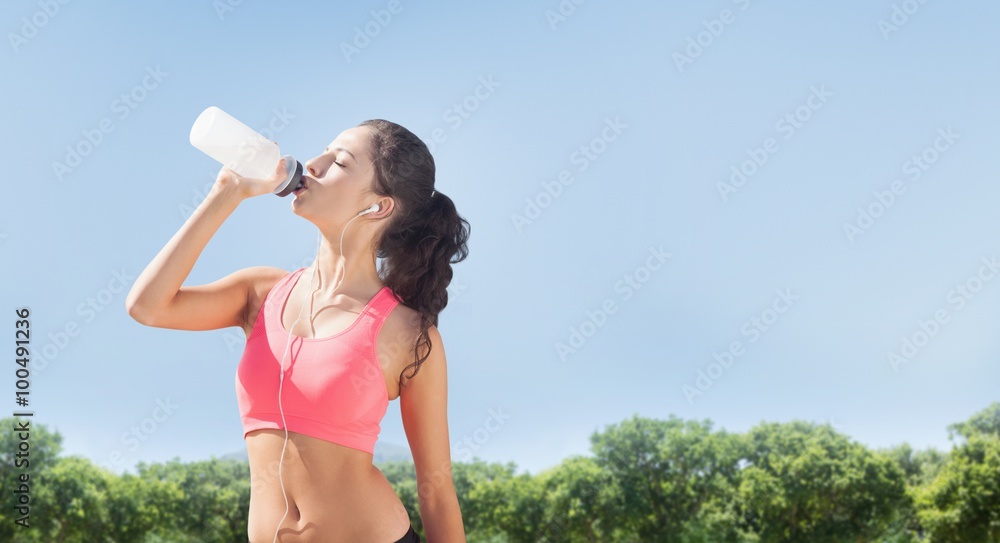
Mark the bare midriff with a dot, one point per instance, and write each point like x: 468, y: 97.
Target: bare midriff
x: 334, y: 493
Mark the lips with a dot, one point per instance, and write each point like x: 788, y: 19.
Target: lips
x: 303, y: 187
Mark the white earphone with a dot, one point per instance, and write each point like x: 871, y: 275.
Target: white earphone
x: 281, y: 376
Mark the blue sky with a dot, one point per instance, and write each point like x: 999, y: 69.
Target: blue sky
x: 593, y: 154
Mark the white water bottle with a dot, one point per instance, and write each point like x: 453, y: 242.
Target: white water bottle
x: 242, y: 149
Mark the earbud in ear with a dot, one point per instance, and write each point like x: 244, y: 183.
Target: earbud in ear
x: 374, y: 207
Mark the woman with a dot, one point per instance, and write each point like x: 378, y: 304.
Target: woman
x: 349, y: 340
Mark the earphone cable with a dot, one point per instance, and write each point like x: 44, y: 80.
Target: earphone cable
x: 281, y: 377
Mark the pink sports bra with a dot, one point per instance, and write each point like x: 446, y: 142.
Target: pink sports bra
x: 333, y: 388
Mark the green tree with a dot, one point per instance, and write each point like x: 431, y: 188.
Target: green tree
x: 647, y: 481
x: 985, y: 422
x: 138, y: 507
x: 920, y: 467
x: 481, y: 488
x: 73, y: 497
x: 666, y: 470
x: 45, y: 447
x: 214, y: 498
x: 521, y: 514
x: 963, y: 501
x: 807, y: 483
x: 579, y: 495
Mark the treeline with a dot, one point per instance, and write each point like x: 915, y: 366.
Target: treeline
x: 646, y: 480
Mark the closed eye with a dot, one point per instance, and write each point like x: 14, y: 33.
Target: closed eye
x: 327, y: 150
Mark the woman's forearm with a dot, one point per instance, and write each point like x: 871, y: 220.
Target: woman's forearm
x: 159, y: 282
x: 442, y: 518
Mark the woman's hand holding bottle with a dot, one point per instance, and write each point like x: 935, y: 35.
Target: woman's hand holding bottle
x: 231, y: 182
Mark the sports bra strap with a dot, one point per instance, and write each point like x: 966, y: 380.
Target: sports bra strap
x: 385, y: 301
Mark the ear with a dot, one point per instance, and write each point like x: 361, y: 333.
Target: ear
x: 386, y: 206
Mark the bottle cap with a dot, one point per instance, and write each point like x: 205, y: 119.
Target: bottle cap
x: 293, y: 178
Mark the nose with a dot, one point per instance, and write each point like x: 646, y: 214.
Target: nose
x: 312, y: 166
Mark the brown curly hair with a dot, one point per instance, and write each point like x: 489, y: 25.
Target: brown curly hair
x: 424, y: 236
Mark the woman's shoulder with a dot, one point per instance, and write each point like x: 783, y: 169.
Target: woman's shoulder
x: 263, y: 278
x: 401, y: 323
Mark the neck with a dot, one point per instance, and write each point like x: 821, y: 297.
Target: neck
x: 354, y: 269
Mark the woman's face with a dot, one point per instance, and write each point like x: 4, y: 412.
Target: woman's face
x: 335, y: 181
